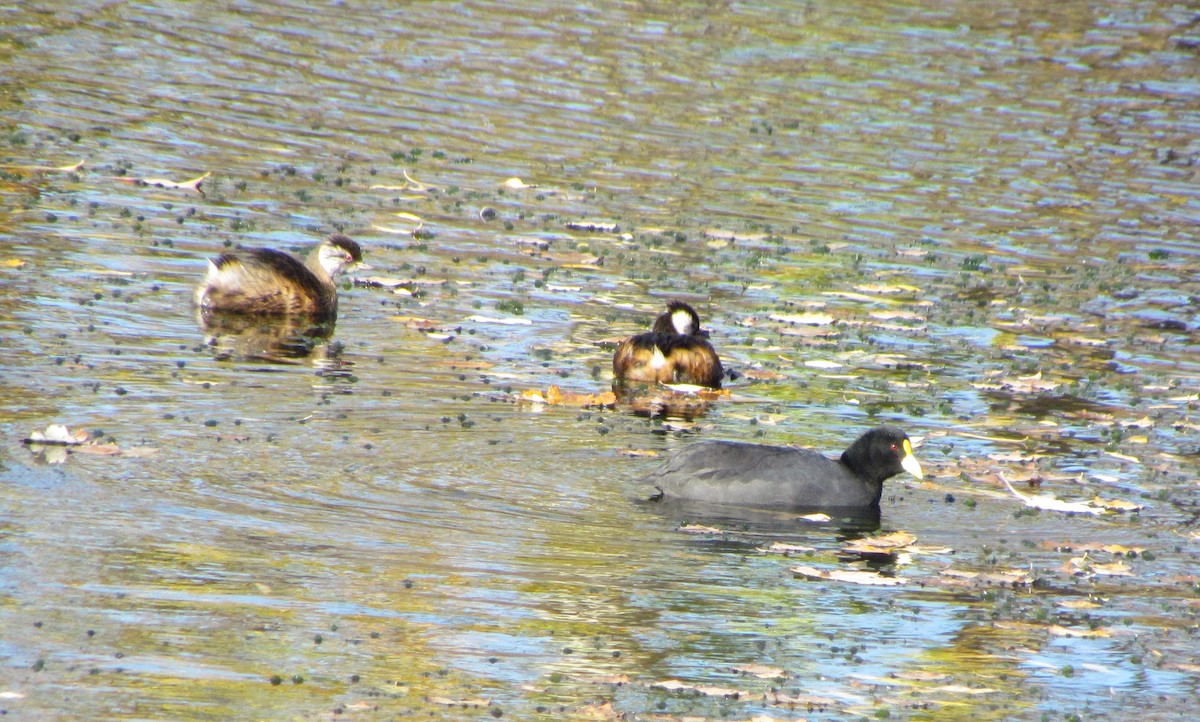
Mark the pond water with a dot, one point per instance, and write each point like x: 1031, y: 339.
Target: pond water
x: 975, y: 222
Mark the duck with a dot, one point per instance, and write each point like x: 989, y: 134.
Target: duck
x: 265, y: 281
x: 674, y: 351
x: 786, y: 477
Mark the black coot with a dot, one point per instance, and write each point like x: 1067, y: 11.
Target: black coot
x: 741, y: 474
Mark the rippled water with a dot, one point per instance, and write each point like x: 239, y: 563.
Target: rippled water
x: 974, y: 194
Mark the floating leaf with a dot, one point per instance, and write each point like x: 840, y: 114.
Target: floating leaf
x: 448, y: 702
x: 393, y: 231
x: 806, y: 700
x: 708, y: 691
x: 886, y: 289
x: 1078, y: 604
x: 1049, y: 503
x: 1115, y: 504
x: 804, y: 319
x: 1020, y: 384
x: 47, y: 169
x: 501, y: 321
x: 12, y: 263
x: 99, y: 449
x: 817, y: 517
x: 763, y: 375
x: 857, y: 297
x: 842, y: 575
x: 516, y: 184
x: 1061, y: 631
x: 1122, y: 550
x: 822, y: 364
x: 594, y: 226
x: 883, y: 544
x: 192, y: 185
x: 783, y: 548
x: 1003, y: 577
x: 411, y: 184
x: 556, y: 396
x: 760, y: 671
x: 1143, y: 423
x: 1112, y: 569
x: 416, y: 322
x: 699, y: 529
x: 892, y: 315
x: 57, y: 434
x: 1123, y: 457
x: 960, y: 689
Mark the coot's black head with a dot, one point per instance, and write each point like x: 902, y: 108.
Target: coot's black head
x: 679, y: 320
x: 880, y: 454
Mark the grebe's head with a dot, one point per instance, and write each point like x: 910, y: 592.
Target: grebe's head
x: 338, y: 253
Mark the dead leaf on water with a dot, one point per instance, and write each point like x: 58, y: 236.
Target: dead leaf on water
x: 961, y: 689
x: 57, y: 434
x: 858, y: 297
x: 193, y: 185
x: 448, y: 702
x: 12, y: 263
x: 46, y: 169
x: 1122, y: 550
x: 806, y: 700
x: 698, y: 529
x: 595, y: 226
x: 509, y: 321
x: 410, y: 184
x: 416, y: 322
x: 387, y: 282
x: 1049, y: 503
x: 763, y: 375
x: 1079, y: 604
x: 1061, y: 631
x: 803, y: 319
x: 818, y: 517
x: 887, y: 289
x: 1019, y: 384
x: 601, y: 711
x: 842, y: 575
x: 1143, y: 423
x: 516, y: 184
x: 1002, y: 577
x: 555, y: 396
x: 1115, y: 504
x: 786, y: 549
x: 882, y: 544
x: 760, y: 671
x: 896, y: 315
x: 675, y: 685
x: 822, y: 364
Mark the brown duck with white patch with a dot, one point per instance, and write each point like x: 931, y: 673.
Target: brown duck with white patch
x: 675, y: 351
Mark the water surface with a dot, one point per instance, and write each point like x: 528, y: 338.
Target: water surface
x: 995, y: 206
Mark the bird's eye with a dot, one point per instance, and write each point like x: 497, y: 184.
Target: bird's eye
x: 895, y: 448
